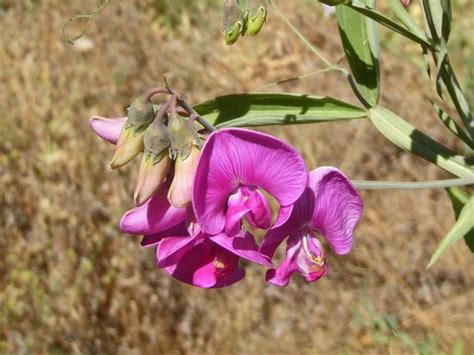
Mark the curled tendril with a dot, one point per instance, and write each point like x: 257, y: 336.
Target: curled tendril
x: 88, y: 16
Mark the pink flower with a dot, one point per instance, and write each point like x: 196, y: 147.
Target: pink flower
x: 156, y: 214
x: 234, y: 165
x: 191, y: 256
x: 330, y: 207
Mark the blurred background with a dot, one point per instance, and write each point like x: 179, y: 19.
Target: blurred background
x: 72, y: 283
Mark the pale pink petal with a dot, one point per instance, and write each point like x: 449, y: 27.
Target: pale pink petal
x: 238, y: 157
x: 338, y: 207
x: 107, y: 128
x: 242, y: 245
x: 153, y: 216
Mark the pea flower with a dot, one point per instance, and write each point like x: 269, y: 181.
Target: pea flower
x: 191, y: 256
x: 234, y: 165
x: 331, y: 207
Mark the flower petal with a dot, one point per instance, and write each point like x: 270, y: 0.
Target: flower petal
x: 242, y: 245
x: 153, y: 239
x: 236, y: 209
x: 153, y: 216
x: 338, y: 207
x: 172, y: 249
x: 279, y: 231
x: 234, y: 157
x: 281, y: 275
x: 207, y: 265
x: 107, y: 128
x: 260, y: 214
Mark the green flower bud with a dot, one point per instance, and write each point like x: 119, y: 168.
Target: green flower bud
x: 141, y: 113
x: 182, y: 137
x: 256, y: 21
x: 129, y: 145
x: 232, y: 33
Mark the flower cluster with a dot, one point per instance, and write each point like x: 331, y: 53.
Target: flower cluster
x: 199, y: 224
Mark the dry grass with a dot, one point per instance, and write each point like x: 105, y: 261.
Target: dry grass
x: 70, y: 282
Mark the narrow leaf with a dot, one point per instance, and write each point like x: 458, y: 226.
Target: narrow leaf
x: 246, y: 110
x: 459, y: 198
x: 404, y: 135
x: 402, y: 14
x: 463, y: 225
x: 453, y: 126
x: 359, y: 36
x: 360, y: 7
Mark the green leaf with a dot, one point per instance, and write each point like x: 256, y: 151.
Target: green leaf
x: 360, y: 40
x: 246, y: 110
x: 401, y: 13
x: 360, y: 7
x: 453, y: 126
x: 404, y: 135
x: 459, y: 199
x: 463, y: 225
x: 438, y: 16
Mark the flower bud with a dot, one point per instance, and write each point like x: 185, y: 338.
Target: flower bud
x: 141, y: 113
x: 256, y: 21
x: 232, y: 33
x: 130, y: 142
x: 233, y: 21
x: 151, y: 175
x: 156, y: 162
x: 129, y: 145
x: 180, y: 192
x: 182, y: 136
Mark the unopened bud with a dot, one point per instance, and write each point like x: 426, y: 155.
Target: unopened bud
x: 232, y: 33
x: 129, y: 145
x: 232, y: 21
x: 141, y: 113
x: 180, y: 192
x: 182, y: 137
x: 151, y: 175
x: 256, y: 21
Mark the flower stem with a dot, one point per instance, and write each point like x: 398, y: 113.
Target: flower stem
x: 303, y: 38
x: 418, y: 185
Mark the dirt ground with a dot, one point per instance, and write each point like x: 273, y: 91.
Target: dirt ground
x: 71, y: 282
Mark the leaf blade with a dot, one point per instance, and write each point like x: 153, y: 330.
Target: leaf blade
x: 263, y: 109
x: 405, y: 136
x: 463, y: 225
x: 360, y: 41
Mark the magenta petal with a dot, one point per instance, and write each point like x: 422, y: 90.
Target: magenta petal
x: 154, y: 216
x: 206, y: 265
x: 153, y: 239
x: 281, y: 275
x: 236, y: 209
x: 338, y: 207
x: 107, y: 128
x: 172, y: 249
x: 260, y: 214
x: 242, y: 245
x: 238, y: 157
x: 279, y: 231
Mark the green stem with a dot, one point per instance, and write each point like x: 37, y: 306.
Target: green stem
x: 301, y: 77
x: 418, y: 185
x: 303, y: 38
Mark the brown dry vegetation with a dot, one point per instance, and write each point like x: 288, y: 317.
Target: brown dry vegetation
x: 70, y: 282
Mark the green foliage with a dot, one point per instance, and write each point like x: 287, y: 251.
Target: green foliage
x: 407, y: 137
x: 245, y: 110
x: 360, y: 40
x: 464, y: 224
x: 459, y: 199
